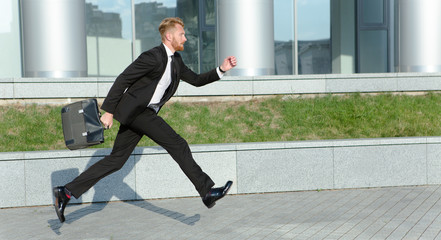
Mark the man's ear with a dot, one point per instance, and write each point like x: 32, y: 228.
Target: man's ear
x: 168, y: 36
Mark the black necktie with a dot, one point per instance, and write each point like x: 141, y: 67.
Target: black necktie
x: 172, y: 69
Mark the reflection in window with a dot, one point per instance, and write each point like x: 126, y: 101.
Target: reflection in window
x: 10, y: 40
x: 148, y: 16
x: 210, y: 16
x: 208, y: 51
x: 208, y: 36
x: 283, y: 36
x: 373, y: 51
x: 108, y: 30
x: 373, y: 30
x: 188, y: 10
x: 314, y: 52
x: 372, y: 11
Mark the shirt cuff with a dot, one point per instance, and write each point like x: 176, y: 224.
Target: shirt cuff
x: 219, y: 73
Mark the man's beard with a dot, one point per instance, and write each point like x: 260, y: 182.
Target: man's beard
x: 177, y: 46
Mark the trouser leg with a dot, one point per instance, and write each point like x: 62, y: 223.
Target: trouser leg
x: 126, y: 140
x: 154, y: 127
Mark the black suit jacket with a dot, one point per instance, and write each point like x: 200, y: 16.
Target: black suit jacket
x: 134, y: 87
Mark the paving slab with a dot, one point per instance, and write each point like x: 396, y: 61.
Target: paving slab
x: 378, y: 213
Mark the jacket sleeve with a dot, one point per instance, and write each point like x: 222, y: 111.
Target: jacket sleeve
x: 198, y: 80
x: 144, y: 64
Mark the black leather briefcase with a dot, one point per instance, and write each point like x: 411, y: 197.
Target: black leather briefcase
x: 81, y: 124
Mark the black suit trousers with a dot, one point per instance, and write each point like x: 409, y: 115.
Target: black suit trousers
x: 150, y: 124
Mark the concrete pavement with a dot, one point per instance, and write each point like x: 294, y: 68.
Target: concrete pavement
x: 378, y: 213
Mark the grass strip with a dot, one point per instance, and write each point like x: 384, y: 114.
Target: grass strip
x: 283, y: 118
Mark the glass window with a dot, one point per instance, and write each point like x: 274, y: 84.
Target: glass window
x: 208, y: 36
x: 373, y: 40
x: 109, y: 32
x: 372, y: 11
x: 283, y: 36
x: 313, y: 30
x: 373, y: 51
x: 148, y: 16
x: 109, y: 36
x: 210, y: 14
x: 10, y: 58
x: 188, y: 10
x: 208, y: 51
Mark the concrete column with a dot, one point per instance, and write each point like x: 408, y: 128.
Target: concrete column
x: 246, y: 30
x: 54, y: 38
x: 343, y: 36
x: 419, y: 36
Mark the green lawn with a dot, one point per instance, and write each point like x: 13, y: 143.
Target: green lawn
x: 38, y: 127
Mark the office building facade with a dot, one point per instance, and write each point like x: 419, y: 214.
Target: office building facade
x: 99, y: 38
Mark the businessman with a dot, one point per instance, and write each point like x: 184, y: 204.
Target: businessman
x: 135, y: 98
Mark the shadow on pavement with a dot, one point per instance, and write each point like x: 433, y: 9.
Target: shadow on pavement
x: 104, y: 191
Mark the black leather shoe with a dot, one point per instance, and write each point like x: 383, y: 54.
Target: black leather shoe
x: 215, y: 194
x: 61, y: 201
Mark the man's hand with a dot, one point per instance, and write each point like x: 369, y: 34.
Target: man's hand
x: 107, y: 120
x: 229, y: 63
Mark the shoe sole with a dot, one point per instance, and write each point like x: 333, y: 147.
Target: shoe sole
x: 57, y: 210
x: 211, y: 205
x: 227, y: 187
